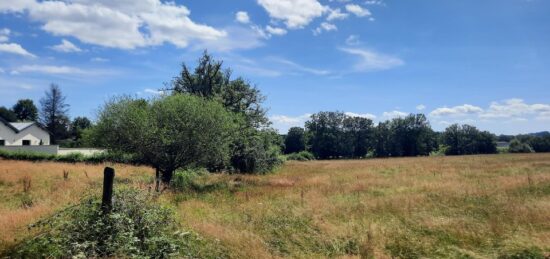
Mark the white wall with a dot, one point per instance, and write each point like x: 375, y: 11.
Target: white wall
x: 32, y: 133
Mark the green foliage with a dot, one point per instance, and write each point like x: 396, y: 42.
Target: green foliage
x: 295, y: 140
x: 468, y: 140
x: 408, y: 136
x: 169, y: 132
x: 301, y: 156
x: 25, y: 110
x: 7, y: 114
x: 256, y: 151
x: 97, y: 158
x: 54, y: 113
x: 136, y: 227
x: 517, y: 146
x: 440, y: 151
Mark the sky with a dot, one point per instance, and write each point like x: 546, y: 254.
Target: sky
x: 484, y: 63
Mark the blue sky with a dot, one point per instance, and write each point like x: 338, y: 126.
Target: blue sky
x: 485, y: 63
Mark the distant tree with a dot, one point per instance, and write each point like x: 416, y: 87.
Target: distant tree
x: 295, y: 140
x: 8, y: 114
x: 358, y: 136
x: 468, y: 140
x: 25, y: 110
x: 78, y: 125
x: 168, y: 133
x: 53, y: 113
x: 516, y: 146
x: 408, y: 136
x: 326, y: 134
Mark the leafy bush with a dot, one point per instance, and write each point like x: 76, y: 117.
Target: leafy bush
x: 517, y: 146
x: 256, y: 152
x: 301, y: 156
x: 135, y: 227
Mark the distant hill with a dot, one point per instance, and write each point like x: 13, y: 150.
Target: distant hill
x: 540, y: 134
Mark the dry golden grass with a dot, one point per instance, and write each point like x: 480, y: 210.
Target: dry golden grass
x: 49, y: 191
x: 431, y: 207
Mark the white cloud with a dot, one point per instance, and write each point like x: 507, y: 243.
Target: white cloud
x: 421, y: 107
x: 294, y: 13
x: 242, y: 17
x: 364, y: 115
x: 325, y: 26
x: 283, y: 122
x: 515, y: 108
x: 124, y: 24
x: 275, y: 30
x: 46, y: 69
x: 299, y: 67
x: 374, y: 2
x: 2, y: 71
x: 4, y: 34
x: 357, y: 10
x: 66, y: 46
x: 460, y: 110
x: 336, y: 14
x: 14, y: 48
x: 352, y: 40
x: 98, y: 59
x: 394, y: 114
x: 372, y: 61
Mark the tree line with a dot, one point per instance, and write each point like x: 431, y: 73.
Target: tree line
x: 53, y: 115
x: 331, y: 135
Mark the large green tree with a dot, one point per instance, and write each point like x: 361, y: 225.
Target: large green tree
x: 53, y: 113
x: 25, y: 110
x: 168, y: 133
x: 295, y: 140
x: 254, y: 150
x: 468, y: 140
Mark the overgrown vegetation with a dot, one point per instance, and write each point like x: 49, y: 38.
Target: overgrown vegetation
x: 136, y: 227
x: 301, y: 156
x: 97, y: 158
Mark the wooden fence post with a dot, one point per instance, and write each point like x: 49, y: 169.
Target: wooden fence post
x: 157, y: 180
x: 107, y: 199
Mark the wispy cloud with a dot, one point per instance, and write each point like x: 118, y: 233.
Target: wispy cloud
x: 298, y: 67
x: 372, y: 61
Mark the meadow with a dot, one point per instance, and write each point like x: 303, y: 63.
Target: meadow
x: 484, y: 206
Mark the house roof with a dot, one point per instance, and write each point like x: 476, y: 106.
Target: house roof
x: 20, y: 126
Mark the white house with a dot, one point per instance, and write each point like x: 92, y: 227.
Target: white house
x: 22, y: 134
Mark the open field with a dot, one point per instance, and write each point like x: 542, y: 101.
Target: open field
x: 471, y: 206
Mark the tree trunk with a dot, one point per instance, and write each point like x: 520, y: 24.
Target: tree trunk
x: 167, y: 176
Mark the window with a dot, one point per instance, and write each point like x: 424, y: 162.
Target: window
x: 26, y: 142
x: 2, y: 142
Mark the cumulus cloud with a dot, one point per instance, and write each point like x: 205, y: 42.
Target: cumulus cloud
x: 66, y: 46
x: 294, y: 13
x: 352, y: 40
x: 325, y: 26
x: 14, y: 48
x: 336, y: 14
x: 394, y: 114
x: 372, y: 61
x: 242, y: 17
x: 460, y: 110
x: 515, y: 108
x: 421, y: 107
x: 275, y: 30
x: 362, y: 115
x: 124, y: 24
x: 357, y: 10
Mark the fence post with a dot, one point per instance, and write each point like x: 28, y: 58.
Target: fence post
x: 157, y: 180
x: 107, y: 199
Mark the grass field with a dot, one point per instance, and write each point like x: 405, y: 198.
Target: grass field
x: 431, y: 207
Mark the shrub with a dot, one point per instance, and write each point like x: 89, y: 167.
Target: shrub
x: 517, y: 146
x: 97, y: 158
x: 136, y: 227
x: 301, y: 156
